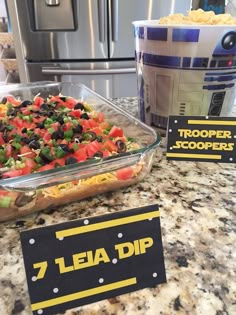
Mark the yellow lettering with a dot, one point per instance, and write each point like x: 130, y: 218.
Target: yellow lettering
x: 42, y: 269
x: 62, y: 268
x: 212, y: 133
x: 184, y: 145
x: 224, y: 134
x: 125, y: 250
x: 145, y: 243
x: 177, y: 145
x: 101, y: 256
x: 80, y: 262
x: 136, y: 247
x: 208, y: 145
x: 184, y: 133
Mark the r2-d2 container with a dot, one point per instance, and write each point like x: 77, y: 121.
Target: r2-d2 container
x: 184, y: 70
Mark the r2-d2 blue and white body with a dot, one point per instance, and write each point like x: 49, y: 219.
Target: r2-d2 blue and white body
x: 184, y: 70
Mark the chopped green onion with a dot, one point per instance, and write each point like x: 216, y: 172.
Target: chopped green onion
x: 68, y: 134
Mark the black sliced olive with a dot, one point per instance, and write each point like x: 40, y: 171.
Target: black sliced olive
x: 63, y: 98
x: 50, y: 113
x: 78, y: 129
x: 84, y: 116
x: 60, y: 119
x: 46, y: 157
x: 34, y: 145
x: 4, y: 100
x: 11, y: 112
x: 40, y: 125
x: 44, y: 107
x: 79, y: 106
x: 24, y: 130
x: 2, y: 126
x: 71, y: 160
x: 58, y: 134
x: 99, y: 138
x: 121, y: 146
x: 25, y: 103
x: 65, y: 148
x: 89, y: 136
x: 34, y: 137
x: 98, y: 154
x: 25, y: 140
x: 5, y: 135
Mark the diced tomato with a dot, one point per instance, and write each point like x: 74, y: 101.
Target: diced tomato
x: 25, y: 149
x: 38, y: 101
x: 70, y: 102
x: 25, y: 111
x: 76, y: 113
x: 67, y: 126
x: 100, y: 118
x: 55, y: 125
x: 124, y: 173
x: 64, y: 141
x: 8, y: 150
x: 105, y: 153
x: 46, y: 167
x: 12, y: 173
x: 30, y: 163
x: 4, y: 193
x: 32, y: 126
x: 34, y: 108
x: 19, y: 122
x: 92, y: 123
x: 104, y: 125
x: 85, y: 124
x: 60, y: 162
x: 97, y: 130
x: 26, y: 170
x: 13, y: 101
x: 39, y: 119
x: 81, y: 154
x: 47, y: 136
x: 110, y: 146
x: 93, y: 147
x: 57, y: 100
x: 115, y: 132
x: 40, y: 132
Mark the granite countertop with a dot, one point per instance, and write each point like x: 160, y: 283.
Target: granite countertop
x: 197, y: 205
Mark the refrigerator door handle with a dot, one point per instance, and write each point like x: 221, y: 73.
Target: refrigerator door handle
x: 114, y: 20
x: 63, y: 71
x: 101, y: 20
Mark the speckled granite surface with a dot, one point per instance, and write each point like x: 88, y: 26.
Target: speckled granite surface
x: 197, y: 203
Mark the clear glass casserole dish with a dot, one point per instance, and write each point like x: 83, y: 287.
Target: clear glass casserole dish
x: 40, y: 190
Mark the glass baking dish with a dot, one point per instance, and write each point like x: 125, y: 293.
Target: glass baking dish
x: 74, y: 182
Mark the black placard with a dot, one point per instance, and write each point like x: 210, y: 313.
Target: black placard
x: 79, y: 262
x: 209, y: 139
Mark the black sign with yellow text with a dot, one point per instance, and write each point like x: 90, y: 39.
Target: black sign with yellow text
x: 211, y: 139
x: 79, y: 262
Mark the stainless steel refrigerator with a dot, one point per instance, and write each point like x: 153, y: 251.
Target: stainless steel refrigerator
x: 86, y: 41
